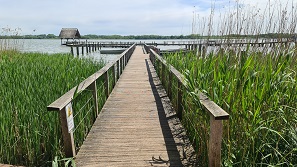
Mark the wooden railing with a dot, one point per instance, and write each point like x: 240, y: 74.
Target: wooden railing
x: 116, y: 68
x: 216, y: 113
x: 88, y: 47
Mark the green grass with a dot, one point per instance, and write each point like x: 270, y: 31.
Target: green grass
x: 258, y: 91
x: 30, y: 135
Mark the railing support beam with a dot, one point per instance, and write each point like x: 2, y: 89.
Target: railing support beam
x: 93, y: 87
x: 179, y: 100
x: 106, y: 84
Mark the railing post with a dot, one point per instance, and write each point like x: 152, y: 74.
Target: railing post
x: 118, y: 69
x: 68, y: 139
x: 106, y: 84
x: 215, y: 142
x: 93, y: 87
x: 163, y: 75
x: 125, y: 59
x: 113, y: 75
x: 179, y: 99
x: 122, y: 64
x: 170, y: 85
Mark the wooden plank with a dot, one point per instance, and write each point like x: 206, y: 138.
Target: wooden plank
x: 216, y: 111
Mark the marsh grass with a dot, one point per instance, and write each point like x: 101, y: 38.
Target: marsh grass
x: 255, y: 84
x: 10, y: 44
x: 30, y: 135
x: 258, y: 91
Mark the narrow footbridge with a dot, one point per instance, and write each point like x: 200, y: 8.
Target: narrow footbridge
x: 132, y: 120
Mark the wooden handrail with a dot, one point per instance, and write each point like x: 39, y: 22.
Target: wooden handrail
x: 89, y: 83
x: 67, y: 97
x: 216, y: 113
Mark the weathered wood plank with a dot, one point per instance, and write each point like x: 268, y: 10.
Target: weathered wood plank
x: 217, y: 112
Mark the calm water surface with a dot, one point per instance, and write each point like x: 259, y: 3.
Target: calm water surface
x: 54, y: 46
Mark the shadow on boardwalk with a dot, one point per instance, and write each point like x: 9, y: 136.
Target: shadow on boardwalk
x: 179, y: 148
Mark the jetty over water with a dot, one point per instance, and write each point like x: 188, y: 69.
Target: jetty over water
x: 137, y: 125
x: 132, y: 128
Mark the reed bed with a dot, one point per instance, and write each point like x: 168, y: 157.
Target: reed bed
x: 258, y: 91
x: 30, y: 135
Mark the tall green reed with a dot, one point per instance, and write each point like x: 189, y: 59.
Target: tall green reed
x: 258, y: 91
x: 30, y: 135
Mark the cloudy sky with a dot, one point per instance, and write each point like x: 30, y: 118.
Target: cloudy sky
x: 123, y: 17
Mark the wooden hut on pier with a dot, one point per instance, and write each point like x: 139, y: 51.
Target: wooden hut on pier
x: 69, y: 33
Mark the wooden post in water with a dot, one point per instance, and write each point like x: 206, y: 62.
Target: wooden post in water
x: 82, y: 49
x: 203, y: 51
x: 200, y: 48
x: 68, y: 139
x: 77, y: 50
x: 71, y: 50
x: 87, y: 48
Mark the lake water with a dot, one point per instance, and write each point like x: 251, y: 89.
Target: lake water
x: 54, y: 46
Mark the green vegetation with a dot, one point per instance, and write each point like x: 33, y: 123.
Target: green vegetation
x: 256, y: 85
x: 30, y: 135
x: 258, y: 90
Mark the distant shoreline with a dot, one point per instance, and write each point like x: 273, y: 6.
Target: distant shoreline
x: 144, y: 37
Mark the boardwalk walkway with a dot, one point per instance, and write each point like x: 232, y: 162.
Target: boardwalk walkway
x: 136, y: 126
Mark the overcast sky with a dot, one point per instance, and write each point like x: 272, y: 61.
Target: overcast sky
x: 107, y: 17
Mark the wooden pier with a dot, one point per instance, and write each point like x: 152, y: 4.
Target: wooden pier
x: 81, y: 47
x: 132, y: 128
x: 137, y: 125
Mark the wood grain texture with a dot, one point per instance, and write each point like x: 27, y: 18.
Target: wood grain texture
x: 137, y: 125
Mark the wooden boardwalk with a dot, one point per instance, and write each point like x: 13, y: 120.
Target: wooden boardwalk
x: 137, y: 125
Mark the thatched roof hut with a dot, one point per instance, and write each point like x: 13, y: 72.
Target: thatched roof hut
x: 69, y: 33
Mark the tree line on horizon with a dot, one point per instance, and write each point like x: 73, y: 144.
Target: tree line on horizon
x: 143, y: 37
